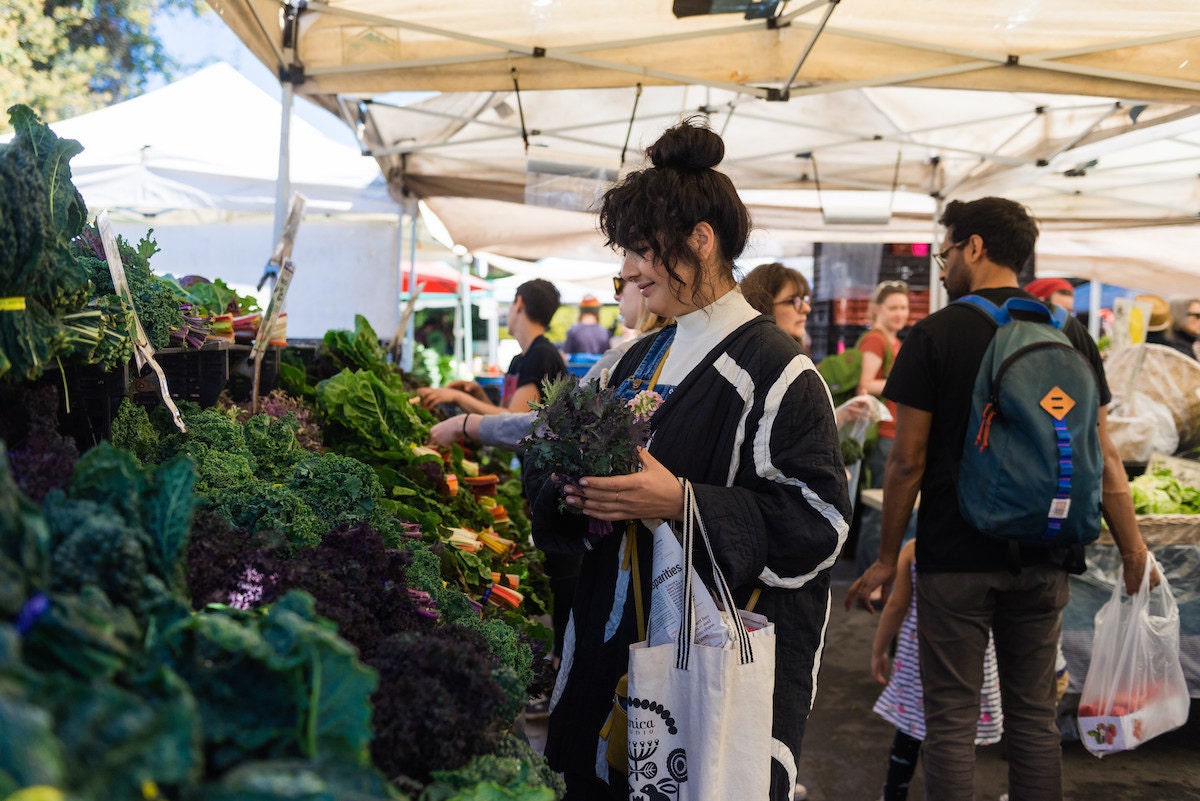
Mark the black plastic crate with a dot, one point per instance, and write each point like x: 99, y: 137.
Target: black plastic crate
x: 193, y: 375
x: 241, y: 384
x: 914, y: 270
x: 93, y: 395
x: 820, y: 316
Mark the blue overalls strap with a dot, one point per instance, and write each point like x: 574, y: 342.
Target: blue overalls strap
x: 643, y: 376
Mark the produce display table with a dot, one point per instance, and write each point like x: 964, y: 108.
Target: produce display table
x: 1176, y: 546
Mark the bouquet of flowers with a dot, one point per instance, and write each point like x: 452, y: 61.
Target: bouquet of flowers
x: 582, y: 430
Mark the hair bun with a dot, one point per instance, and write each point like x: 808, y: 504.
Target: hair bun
x: 690, y: 146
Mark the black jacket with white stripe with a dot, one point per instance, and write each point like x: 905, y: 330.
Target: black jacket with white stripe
x: 752, y: 427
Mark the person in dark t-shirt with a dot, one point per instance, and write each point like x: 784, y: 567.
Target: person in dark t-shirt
x: 965, y: 583
x: 529, y: 316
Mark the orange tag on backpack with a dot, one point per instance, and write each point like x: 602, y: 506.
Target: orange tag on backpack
x: 1057, y: 403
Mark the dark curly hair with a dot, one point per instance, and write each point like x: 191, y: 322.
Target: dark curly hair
x: 657, y: 208
x: 762, y: 285
x: 1007, y: 229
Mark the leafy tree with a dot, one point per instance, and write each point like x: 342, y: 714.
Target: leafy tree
x: 68, y: 57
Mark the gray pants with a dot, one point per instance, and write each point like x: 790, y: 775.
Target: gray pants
x: 1024, y: 612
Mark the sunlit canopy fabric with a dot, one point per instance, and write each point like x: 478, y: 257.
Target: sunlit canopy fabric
x: 1084, y: 110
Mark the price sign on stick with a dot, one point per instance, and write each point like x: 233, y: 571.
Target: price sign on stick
x: 280, y: 263
x: 143, y: 352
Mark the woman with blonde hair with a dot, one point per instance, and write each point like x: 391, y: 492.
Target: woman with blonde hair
x: 879, y: 346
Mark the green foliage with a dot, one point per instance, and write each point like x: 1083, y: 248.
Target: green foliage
x: 40, y: 212
x: 363, y: 409
x: 66, y: 57
x: 273, y: 684
x: 131, y: 430
x: 514, y: 771
x: 1160, y: 493
x: 852, y: 450
x: 156, y: 299
x: 215, y: 297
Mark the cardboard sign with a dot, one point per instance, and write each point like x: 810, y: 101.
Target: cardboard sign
x: 1186, y: 471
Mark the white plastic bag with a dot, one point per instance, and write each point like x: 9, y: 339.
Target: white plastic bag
x: 1135, y: 689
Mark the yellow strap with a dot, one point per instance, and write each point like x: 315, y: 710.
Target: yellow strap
x: 631, y: 556
x: 18, y: 304
x: 658, y: 370
x: 753, y: 599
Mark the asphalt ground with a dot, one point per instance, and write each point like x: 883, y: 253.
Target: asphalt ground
x: 846, y: 744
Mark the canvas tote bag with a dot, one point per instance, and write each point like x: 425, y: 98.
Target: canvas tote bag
x: 700, y: 716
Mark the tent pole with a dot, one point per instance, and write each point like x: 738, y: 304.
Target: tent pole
x: 1095, y: 288
x: 467, y: 348
x: 283, y: 183
x: 410, y: 333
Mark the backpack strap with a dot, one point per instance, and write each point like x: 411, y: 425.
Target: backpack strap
x: 1002, y: 315
x: 887, y: 349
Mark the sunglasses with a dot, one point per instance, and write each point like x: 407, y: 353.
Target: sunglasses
x: 618, y: 284
x: 797, y: 301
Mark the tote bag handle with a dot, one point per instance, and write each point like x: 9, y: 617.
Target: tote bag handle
x: 685, y: 639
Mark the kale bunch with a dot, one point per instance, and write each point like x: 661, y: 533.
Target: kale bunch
x: 437, y: 704
x: 43, y: 280
x: 583, y: 430
x: 279, y: 405
x: 513, y: 771
x: 157, y: 300
x: 42, y: 459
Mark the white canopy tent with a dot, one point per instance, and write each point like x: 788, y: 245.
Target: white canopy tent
x: 1085, y: 110
x: 197, y: 161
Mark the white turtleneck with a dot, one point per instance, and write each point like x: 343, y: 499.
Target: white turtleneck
x: 702, y: 330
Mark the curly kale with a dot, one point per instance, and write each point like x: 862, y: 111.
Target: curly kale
x: 94, y: 544
x: 343, y: 489
x: 262, y: 506
x: 274, y: 445
x: 132, y: 430
x: 157, y: 300
x: 41, y: 458
x: 439, y: 700
x: 515, y: 768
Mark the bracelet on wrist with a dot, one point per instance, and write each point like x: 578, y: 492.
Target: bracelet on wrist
x: 466, y: 417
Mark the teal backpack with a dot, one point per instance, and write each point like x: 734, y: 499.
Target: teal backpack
x: 1031, y: 463
x: 842, y: 371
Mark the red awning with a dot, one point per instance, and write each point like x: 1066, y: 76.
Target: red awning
x: 440, y: 278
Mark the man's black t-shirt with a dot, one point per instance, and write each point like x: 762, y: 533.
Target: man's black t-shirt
x: 540, y: 360
x: 935, y: 372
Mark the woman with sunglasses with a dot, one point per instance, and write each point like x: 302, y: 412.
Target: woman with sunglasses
x: 745, y: 417
x: 879, y: 347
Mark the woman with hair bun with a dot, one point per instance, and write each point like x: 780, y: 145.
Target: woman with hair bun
x: 745, y: 417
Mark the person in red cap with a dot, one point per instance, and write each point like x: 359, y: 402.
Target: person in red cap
x: 587, y: 335
x: 1054, y: 290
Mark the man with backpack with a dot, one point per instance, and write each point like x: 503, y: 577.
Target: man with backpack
x: 956, y: 408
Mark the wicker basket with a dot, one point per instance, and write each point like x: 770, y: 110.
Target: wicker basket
x: 1160, y: 530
